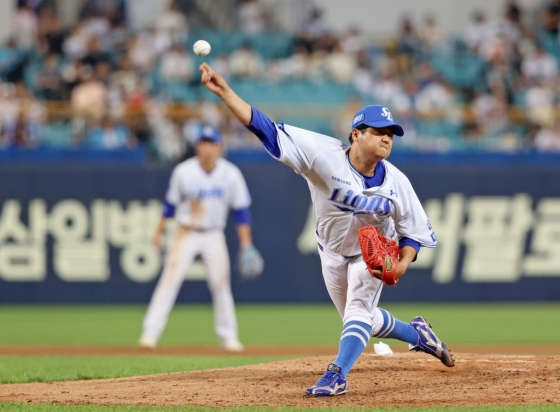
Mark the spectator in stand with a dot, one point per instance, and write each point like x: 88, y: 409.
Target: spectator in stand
x: 436, y: 100
x: 95, y: 23
x: 126, y: 76
x: 409, y: 42
x: 430, y: 34
x: 539, y: 66
x: 314, y: 27
x: 49, y: 80
x: 221, y: 65
x: 89, y: 98
x: 76, y: 44
x: 490, y: 112
x: 103, y: 71
x: 173, y: 23
x: 71, y: 72
x: 540, y: 101
x: 477, y: 33
x: 110, y: 136
x: 386, y: 87
x: 24, y: 26
x: 346, y: 115
x: 510, y: 26
x: 340, y: 66
x: 353, y: 41
x: 297, y: 65
x: 50, y: 31
x: 502, y: 76
x: 21, y: 116
x: 364, y: 79
x: 95, y: 53
x: 548, y: 139
x: 177, y: 65
x: 252, y: 16
x: 246, y: 63
x: 550, y: 20
x: 147, y: 47
x: 12, y: 62
x: 19, y: 135
x: 166, y: 133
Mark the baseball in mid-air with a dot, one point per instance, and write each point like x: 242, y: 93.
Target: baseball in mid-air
x: 202, y: 48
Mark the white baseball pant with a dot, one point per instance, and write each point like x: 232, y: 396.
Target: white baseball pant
x: 353, y: 290
x: 211, y: 245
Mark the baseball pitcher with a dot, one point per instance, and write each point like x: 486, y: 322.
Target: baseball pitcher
x: 352, y: 187
x: 201, y: 192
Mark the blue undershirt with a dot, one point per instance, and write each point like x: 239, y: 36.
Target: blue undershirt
x: 262, y: 127
x: 243, y: 216
x: 168, y: 209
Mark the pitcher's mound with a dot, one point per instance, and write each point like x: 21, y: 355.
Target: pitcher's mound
x: 407, y: 379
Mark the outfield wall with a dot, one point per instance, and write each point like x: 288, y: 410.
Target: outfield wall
x: 82, y: 234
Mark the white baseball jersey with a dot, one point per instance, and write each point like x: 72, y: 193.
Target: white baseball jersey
x: 203, y: 199
x: 342, y: 203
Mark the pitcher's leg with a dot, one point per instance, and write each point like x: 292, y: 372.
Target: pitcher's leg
x: 335, y: 273
x: 385, y: 325
x: 179, y: 257
x: 216, y: 259
x: 361, y: 294
x: 418, y: 333
x: 362, y: 297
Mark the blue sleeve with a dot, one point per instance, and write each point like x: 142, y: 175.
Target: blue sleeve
x: 405, y: 241
x: 262, y: 127
x: 168, y: 209
x: 243, y: 216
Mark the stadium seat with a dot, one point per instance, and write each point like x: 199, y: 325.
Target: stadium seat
x: 56, y: 135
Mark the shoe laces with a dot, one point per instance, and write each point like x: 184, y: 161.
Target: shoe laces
x: 327, y: 378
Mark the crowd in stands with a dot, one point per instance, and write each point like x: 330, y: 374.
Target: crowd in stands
x: 100, y: 85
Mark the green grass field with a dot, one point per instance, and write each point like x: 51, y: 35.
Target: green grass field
x: 258, y: 324
x: 269, y: 324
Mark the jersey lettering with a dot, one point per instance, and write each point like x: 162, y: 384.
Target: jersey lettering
x: 200, y: 194
x: 360, y: 204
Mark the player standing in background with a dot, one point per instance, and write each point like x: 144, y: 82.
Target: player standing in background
x: 351, y: 186
x: 201, y: 192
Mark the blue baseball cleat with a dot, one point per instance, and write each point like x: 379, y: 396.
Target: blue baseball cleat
x: 429, y: 343
x: 331, y: 384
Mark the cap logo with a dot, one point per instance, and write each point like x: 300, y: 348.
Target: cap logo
x: 207, y: 131
x: 357, y: 118
x: 386, y: 113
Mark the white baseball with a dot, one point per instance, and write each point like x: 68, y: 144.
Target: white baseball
x: 202, y: 48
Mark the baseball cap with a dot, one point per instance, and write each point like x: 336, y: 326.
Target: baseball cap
x: 210, y: 134
x: 376, y: 116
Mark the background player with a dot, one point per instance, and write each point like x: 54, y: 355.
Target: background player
x: 200, y: 194
x: 351, y: 187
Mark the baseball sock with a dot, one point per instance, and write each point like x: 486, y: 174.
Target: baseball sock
x: 353, y: 340
x: 396, y: 329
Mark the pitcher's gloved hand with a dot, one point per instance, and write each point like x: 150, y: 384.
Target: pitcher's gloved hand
x: 379, y: 253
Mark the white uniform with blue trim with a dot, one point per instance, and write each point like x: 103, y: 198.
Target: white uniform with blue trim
x: 342, y: 204
x: 202, y: 202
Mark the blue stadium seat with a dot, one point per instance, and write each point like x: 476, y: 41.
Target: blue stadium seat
x: 57, y: 134
x: 180, y: 92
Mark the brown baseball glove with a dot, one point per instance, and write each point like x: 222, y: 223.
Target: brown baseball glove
x: 379, y: 253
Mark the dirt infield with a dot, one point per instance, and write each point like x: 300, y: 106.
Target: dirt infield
x: 404, y: 379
